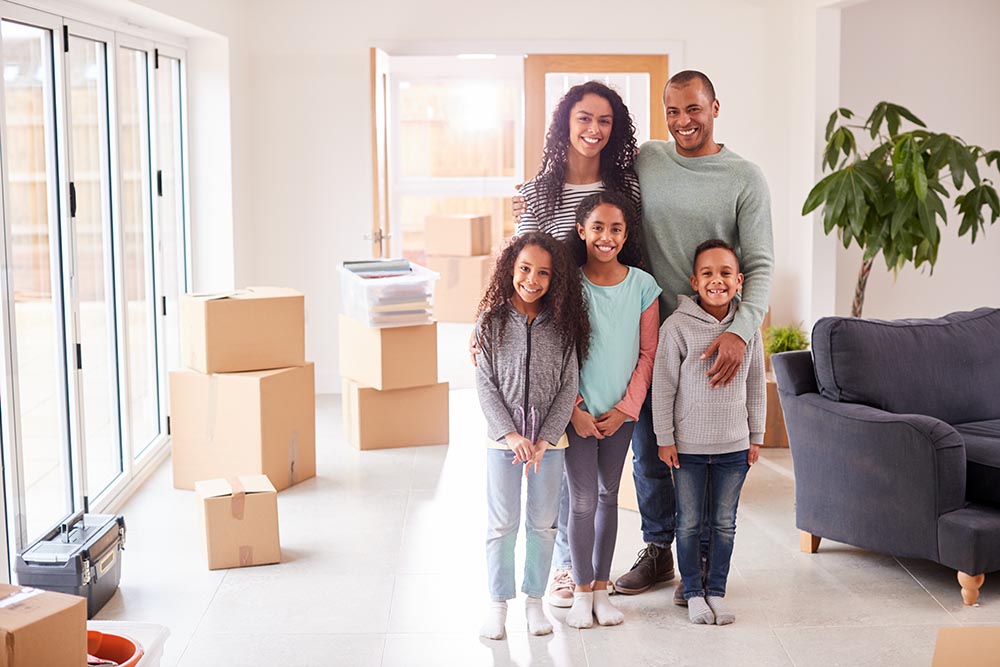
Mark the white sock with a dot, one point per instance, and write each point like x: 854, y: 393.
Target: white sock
x: 582, y: 613
x: 493, y: 624
x: 605, y: 611
x: 723, y: 616
x: 699, y: 612
x: 537, y: 623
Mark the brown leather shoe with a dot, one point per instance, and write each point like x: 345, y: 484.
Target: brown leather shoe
x: 654, y: 565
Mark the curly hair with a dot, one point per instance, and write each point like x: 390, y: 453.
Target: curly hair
x: 617, y: 157
x: 564, y: 297
x: 631, y: 252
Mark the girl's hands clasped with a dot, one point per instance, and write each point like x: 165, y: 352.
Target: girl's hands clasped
x: 536, y: 458
x: 609, y: 423
x: 585, y: 424
x: 521, y: 446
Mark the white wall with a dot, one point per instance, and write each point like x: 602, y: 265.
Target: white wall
x: 939, y: 61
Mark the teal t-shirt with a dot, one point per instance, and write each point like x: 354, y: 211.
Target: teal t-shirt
x: 614, y: 338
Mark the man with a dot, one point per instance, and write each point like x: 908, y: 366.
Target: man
x: 693, y: 189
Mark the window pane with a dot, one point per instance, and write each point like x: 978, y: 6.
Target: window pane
x: 457, y: 128
x: 171, y: 203
x: 32, y: 231
x: 140, y: 306
x: 92, y: 178
x: 633, y: 88
x: 414, y: 211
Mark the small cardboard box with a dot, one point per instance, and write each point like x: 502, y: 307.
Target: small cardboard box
x: 388, y: 358
x: 247, y: 330
x: 239, y: 516
x: 376, y: 419
x: 41, y: 628
x: 463, y: 279
x: 457, y: 234
x: 967, y: 647
x: 252, y: 423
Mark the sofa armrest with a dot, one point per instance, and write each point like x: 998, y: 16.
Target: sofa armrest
x: 794, y: 372
x: 871, y: 478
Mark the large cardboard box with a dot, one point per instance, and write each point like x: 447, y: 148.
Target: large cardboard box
x: 41, y: 628
x: 458, y: 291
x: 388, y: 358
x: 376, y: 419
x: 247, y: 330
x: 252, y: 423
x: 457, y: 234
x: 967, y: 647
x: 239, y: 516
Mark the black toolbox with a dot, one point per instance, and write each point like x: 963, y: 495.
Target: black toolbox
x: 81, y: 556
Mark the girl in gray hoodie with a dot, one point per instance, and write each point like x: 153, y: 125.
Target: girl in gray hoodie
x: 531, y: 333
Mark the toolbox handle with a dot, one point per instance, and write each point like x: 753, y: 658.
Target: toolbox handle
x: 66, y: 526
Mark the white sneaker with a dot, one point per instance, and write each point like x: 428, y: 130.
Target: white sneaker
x: 561, y: 589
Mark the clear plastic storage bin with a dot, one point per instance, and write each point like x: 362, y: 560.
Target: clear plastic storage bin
x: 393, y: 293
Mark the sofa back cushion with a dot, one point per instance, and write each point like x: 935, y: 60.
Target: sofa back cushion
x: 947, y: 368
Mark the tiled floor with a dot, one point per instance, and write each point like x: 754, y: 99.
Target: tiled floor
x: 383, y: 564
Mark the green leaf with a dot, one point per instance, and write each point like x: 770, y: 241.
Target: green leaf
x: 902, y: 215
x: 829, y: 125
x: 991, y: 157
x: 917, y: 171
x: 874, y: 122
x: 818, y: 194
x: 955, y: 164
x: 846, y: 113
x: 901, y: 166
x: 892, y: 119
x: 905, y: 113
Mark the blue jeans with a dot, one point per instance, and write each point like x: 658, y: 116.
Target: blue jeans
x: 561, y: 558
x: 722, y: 475
x: 503, y: 507
x: 654, y: 488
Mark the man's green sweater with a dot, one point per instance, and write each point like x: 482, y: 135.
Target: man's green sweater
x: 686, y: 201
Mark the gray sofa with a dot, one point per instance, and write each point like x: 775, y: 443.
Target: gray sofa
x: 894, y: 428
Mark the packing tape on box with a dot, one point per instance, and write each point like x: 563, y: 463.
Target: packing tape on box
x: 18, y: 597
x: 293, y: 457
x: 246, y: 555
x: 237, y: 506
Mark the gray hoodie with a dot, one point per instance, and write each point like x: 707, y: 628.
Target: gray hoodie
x: 527, y: 384
x: 689, y: 413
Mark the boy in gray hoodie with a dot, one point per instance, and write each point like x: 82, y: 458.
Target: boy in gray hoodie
x: 709, y: 436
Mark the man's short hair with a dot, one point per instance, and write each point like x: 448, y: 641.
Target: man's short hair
x: 687, y: 76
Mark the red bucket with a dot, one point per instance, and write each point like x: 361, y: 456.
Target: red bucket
x: 126, y: 652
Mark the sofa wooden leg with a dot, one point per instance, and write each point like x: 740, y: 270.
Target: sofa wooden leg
x: 970, y: 584
x: 808, y: 543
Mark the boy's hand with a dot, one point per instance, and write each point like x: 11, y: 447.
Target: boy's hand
x: 517, y: 206
x: 731, y: 349
x: 536, y: 458
x: 609, y: 423
x: 521, y: 446
x: 753, y: 454
x: 668, y: 455
x: 585, y: 425
x: 473, y: 348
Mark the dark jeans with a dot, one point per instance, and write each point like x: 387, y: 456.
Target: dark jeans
x: 654, y: 488
x: 723, y: 475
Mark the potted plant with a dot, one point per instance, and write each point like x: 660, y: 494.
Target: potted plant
x: 890, y: 199
x: 785, y: 339
x: 779, y: 339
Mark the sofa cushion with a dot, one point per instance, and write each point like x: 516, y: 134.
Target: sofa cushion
x: 982, y: 451
x: 945, y: 368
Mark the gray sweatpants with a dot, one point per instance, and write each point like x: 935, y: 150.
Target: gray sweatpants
x: 594, y: 470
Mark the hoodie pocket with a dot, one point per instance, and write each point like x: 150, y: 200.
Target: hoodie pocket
x: 716, y: 421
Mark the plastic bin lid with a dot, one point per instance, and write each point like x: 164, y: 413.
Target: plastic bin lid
x: 51, y: 552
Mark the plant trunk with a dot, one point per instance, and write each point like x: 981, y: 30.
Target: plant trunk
x: 859, y: 290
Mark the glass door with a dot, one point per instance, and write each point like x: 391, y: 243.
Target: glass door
x: 38, y: 461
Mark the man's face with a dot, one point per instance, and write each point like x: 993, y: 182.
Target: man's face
x: 691, y: 118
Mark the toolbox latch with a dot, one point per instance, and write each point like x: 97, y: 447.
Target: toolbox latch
x: 86, y: 571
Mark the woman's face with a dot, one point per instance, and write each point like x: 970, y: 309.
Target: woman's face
x: 590, y: 122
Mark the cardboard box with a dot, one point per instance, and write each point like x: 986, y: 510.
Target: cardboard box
x: 41, y: 628
x: 967, y: 647
x: 253, y: 423
x: 461, y: 286
x: 239, y: 516
x: 457, y: 234
x: 376, y: 419
x: 775, y: 434
x: 247, y: 330
x: 388, y: 358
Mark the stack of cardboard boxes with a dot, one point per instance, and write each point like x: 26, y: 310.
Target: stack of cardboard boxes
x: 246, y: 406
x: 391, y: 394
x: 458, y: 248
